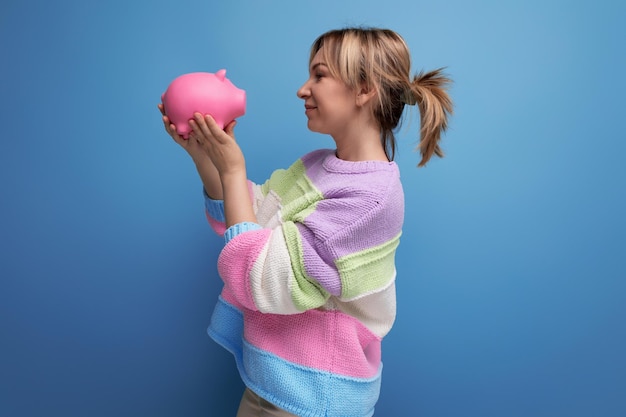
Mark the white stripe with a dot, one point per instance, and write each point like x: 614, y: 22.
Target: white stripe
x: 271, y: 276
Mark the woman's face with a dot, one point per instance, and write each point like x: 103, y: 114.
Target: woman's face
x: 329, y: 103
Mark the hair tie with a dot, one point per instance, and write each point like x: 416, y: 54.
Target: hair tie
x: 408, y: 97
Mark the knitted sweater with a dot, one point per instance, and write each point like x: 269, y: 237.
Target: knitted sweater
x: 309, y: 290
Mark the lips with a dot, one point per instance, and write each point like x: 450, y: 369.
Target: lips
x: 308, y: 108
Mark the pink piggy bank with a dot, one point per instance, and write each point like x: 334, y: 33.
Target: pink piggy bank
x: 204, y: 93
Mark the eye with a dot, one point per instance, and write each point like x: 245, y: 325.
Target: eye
x: 318, y: 76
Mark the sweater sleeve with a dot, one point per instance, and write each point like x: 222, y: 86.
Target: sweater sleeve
x: 214, y: 211
x: 342, y: 246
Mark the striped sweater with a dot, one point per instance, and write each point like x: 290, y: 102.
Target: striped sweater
x: 309, y: 290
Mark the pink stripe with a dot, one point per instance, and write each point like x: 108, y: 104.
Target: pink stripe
x: 236, y: 261
x: 218, y: 227
x: 228, y: 296
x: 326, y: 340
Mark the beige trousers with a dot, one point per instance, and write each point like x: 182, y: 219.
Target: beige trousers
x: 254, y: 406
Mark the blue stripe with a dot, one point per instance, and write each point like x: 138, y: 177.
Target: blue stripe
x: 226, y: 326
x: 239, y: 228
x: 215, y: 208
x: 295, y: 388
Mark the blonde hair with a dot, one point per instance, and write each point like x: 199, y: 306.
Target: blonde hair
x: 380, y: 58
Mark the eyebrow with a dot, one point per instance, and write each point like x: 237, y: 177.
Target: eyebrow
x: 314, y: 67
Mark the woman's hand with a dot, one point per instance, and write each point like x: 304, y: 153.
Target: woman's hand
x: 208, y: 173
x: 218, y: 144
x: 192, y: 147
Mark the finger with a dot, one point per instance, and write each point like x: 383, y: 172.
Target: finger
x: 201, y: 125
x: 195, y: 137
x: 210, y: 122
x: 161, y: 108
x: 169, y: 126
x: 216, y: 131
x: 196, y: 131
x: 174, y: 134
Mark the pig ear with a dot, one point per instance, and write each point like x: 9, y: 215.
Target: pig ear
x: 221, y: 74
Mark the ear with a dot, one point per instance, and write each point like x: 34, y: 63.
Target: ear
x: 365, y: 94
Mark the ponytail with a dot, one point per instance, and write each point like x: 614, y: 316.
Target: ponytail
x: 428, y: 91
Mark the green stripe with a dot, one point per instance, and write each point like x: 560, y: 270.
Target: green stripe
x: 368, y: 270
x: 297, y: 193
x: 282, y: 179
x: 298, y: 198
x: 306, y: 293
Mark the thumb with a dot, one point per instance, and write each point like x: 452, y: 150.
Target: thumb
x: 230, y: 128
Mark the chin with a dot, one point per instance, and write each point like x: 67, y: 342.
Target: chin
x: 313, y: 127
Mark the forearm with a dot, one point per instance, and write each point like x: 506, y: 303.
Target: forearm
x: 237, y: 201
x: 210, y: 178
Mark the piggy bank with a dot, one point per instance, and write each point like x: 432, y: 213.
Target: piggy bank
x: 205, y: 93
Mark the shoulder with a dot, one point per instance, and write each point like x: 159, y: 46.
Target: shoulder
x: 336, y: 178
x: 366, y: 195
x: 331, y: 185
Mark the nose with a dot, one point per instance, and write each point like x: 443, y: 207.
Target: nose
x: 304, y: 91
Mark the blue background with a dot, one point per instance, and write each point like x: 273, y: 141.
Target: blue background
x: 511, y: 276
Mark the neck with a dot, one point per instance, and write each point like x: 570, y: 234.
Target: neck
x: 361, y: 145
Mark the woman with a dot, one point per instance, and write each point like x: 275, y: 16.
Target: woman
x: 308, y: 264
